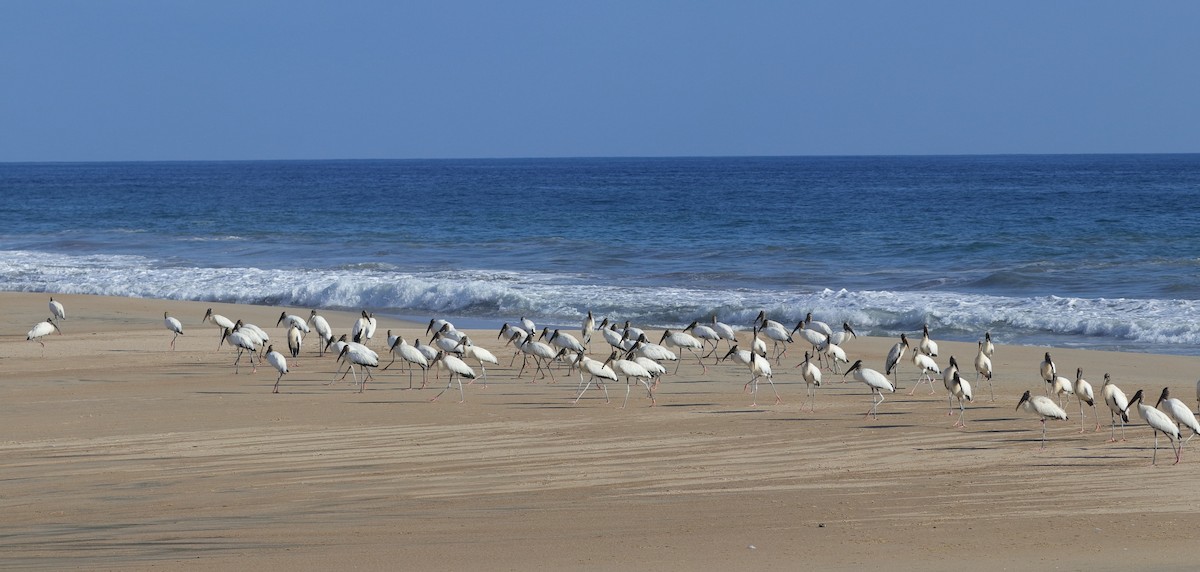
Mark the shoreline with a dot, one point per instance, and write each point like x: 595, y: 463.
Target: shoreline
x: 134, y: 456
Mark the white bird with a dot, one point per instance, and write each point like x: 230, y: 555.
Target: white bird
x: 436, y: 324
x: 761, y: 367
x: 1083, y: 394
x: 892, y: 363
x: 847, y: 334
x: 949, y: 382
x: 295, y: 338
x: 724, y: 330
x: 835, y: 354
x: 810, y: 323
x: 597, y: 372
x: 877, y: 382
x: 988, y: 347
x: 278, y: 362
x: 684, y: 342
x: 1160, y: 423
x: 960, y: 389
x: 512, y: 335
x: 255, y: 333
x: 812, y: 380
x: 364, y: 328
x: 244, y: 343
x: 445, y: 344
x: 926, y: 366
x: 411, y: 357
x: 41, y: 329
x: 757, y: 344
x: 816, y: 338
x: 1062, y: 387
x: 56, y: 309
x: 616, y: 338
x: 358, y: 354
x: 1118, y: 406
x: 426, y: 350
x: 739, y: 356
x: 174, y: 325
x: 1048, y: 371
x: 633, y: 372
x: 1043, y: 407
x: 528, y: 325
x: 777, y: 333
x: 705, y: 334
x: 324, y: 331
x: 1179, y: 413
x: 538, y: 351
x: 653, y: 351
x: 585, y: 329
x: 983, y: 367
x: 292, y: 320
x: 456, y: 367
x: 631, y: 332
x: 561, y: 340
x: 219, y: 321
x: 481, y: 355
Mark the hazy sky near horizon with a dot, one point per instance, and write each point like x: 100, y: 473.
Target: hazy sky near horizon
x: 150, y: 80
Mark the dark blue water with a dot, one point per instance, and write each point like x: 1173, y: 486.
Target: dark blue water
x: 1095, y: 251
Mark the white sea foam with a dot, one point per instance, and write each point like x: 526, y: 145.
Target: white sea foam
x: 1153, y: 325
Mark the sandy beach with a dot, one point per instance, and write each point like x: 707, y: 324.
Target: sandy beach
x: 119, y: 453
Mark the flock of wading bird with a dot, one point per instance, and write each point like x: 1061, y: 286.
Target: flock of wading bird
x: 635, y: 358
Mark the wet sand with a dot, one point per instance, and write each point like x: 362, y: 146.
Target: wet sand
x: 118, y: 453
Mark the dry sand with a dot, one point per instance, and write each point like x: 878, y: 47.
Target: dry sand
x: 120, y: 454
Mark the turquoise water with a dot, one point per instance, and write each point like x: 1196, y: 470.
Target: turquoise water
x: 1088, y: 251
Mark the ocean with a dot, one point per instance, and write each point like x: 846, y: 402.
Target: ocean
x: 1089, y: 251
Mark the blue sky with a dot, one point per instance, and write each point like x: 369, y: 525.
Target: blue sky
x: 155, y: 80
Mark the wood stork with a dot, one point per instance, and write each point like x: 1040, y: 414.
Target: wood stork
x: 813, y: 336
x: 1048, y: 371
x: 988, y: 347
x: 42, y: 329
x: 363, y: 328
x: 926, y: 366
x: 761, y: 367
x: 983, y: 367
x: 777, y: 333
x: 1179, y: 413
x: 877, y: 382
x: 528, y: 325
x: 1118, y: 406
x: 757, y: 344
x: 244, y: 342
x: 456, y: 367
x: 446, y: 344
x: 1062, y: 387
x: 562, y: 340
x: 687, y: 342
x: 411, y: 357
x: 597, y: 372
x: 892, y: 363
x: 960, y: 389
x: 741, y: 357
x: 633, y: 372
x: 295, y: 338
x: 812, y: 380
x: 1043, y: 407
x: 278, y: 362
x: 219, y: 321
x: 357, y: 354
x: 324, y: 331
x: 725, y: 331
x: 174, y: 325
x: 653, y: 351
x: 705, y: 334
x: 479, y: 354
x: 289, y: 320
x: 810, y: 323
x: 612, y: 336
x: 585, y: 329
x: 436, y: 324
x: 1083, y: 394
x: 57, y: 311
x: 847, y: 334
x: 539, y: 352
x: 631, y: 332
x: 948, y: 381
x: 512, y: 335
x: 927, y: 346
x: 1160, y: 423
x: 836, y: 355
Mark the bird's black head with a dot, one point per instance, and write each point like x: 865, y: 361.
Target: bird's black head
x: 1024, y: 398
x: 1166, y: 393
